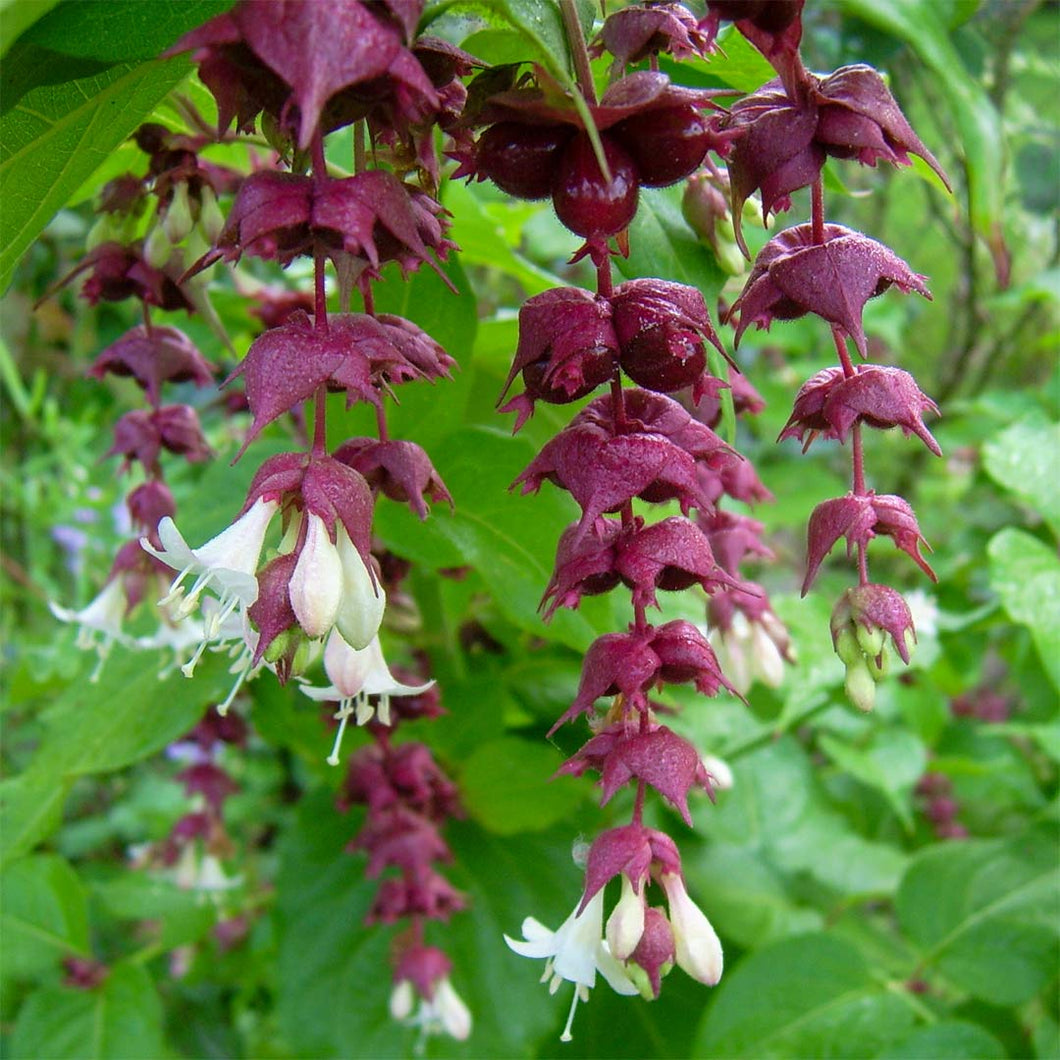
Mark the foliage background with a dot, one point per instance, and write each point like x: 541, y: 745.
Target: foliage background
x: 850, y: 929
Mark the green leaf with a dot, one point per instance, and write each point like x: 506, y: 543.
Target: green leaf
x: 984, y: 913
x: 505, y: 785
x: 920, y: 25
x: 538, y: 22
x: 44, y: 918
x: 54, y: 136
x: 182, y: 914
x: 776, y: 809
x: 948, y: 1040
x: 119, y: 1020
x: 745, y: 896
x: 891, y: 764
x: 17, y: 15
x: 1022, y: 460
x: 481, y: 241
x: 119, y: 30
x: 510, y: 539
x: 662, y: 244
x: 336, y: 971
x: 99, y: 727
x: 1025, y: 573
x: 806, y: 996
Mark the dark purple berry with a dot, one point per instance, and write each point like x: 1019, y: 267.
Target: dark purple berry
x: 521, y: 159
x: 665, y: 144
x: 585, y: 202
x: 593, y: 368
x: 664, y: 359
x: 770, y: 16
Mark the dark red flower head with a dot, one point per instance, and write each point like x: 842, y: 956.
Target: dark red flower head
x: 660, y: 328
x: 860, y: 518
x: 659, y: 757
x: 153, y: 357
x: 567, y: 348
x: 291, y: 58
x: 785, y: 134
x: 793, y: 276
x: 642, y: 30
x: 831, y: 403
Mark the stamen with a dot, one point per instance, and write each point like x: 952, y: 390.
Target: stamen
x: 222, y: 708
x: 189, y: 667
x: 175, y: 591
x: 382, y: 710
x: 342, y: 715
x: 365, y: 710
x: 566, y: 1035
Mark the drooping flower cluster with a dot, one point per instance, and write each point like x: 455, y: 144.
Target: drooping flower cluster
x: 408, y: 800
x: 787, y: 129
x: 293, y: 577
x: 124, y: 263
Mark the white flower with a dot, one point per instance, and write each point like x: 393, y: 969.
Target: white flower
x: 575, y: 952
x: 331, y: 586
x: 99, y: 623
x: 720, y: 771
x: 226, y: 563
x: 202, y: 873
x: 355, y: 675
x: 316, y: 584
x: 625, y: 925
x: 924, y: 609
x: 697, y: 947
x: 445, y: 1013
x: 749, y: 651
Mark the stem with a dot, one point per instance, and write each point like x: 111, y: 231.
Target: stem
x: 320, y: 306
x: 604, y: 285
x: 380, y: 421
x: 817, y: 208
x: 360, y: 161
x: 638, y: 805
x: 579, y: 53
x: 367, y: 296
x: 320, y: 421
x: 844, y: 356
x: 858, y: 461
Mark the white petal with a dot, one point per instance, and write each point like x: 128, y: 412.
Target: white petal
x: 625, y: 925
x: 401, y: 1000
x: 768, y: 663
x: 238, y: 547
x: 454, y: 1014
x: 577, y: 940
x: 346, y: 667
x: 360, y: 610
x: 316, y: 583
x: 611, y: 969
x: 103, y: 614
x: 695, y: 941
x: 531, y: 947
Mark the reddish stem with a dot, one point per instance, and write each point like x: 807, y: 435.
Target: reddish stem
x: 579, y: 53
x: 844, y: 357
x: 320, y: 421
x: 380, y: 422
x: 638, y: 805
x: 320, y: 305
x: 817, y: 208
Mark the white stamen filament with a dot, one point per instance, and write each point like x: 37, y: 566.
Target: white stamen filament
x: 342, y: 715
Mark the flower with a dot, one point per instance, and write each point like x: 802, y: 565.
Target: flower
x: 698, y: 949
x: 225, y: 563
x: 445, y: 1013
x: 99, y: 622
x: 576, y: 952
x: 356, y: 674
x: 423, y: 971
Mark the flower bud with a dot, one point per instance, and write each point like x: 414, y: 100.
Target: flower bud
x: 157, y: 248
x: 317, y: 581
x: 178, y: 220
x: 697, y: 947
x: 860, y: 685
x: 625, y: 925
x: 211, y: 219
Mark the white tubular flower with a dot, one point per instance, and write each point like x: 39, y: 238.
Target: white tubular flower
x: 445, y: 1013
x: 360, y: 610
x: 226, y: 563
x: 356, y: 674
x: 575, y: 952
x: 316, y: 584
x: 695, y: 941
x: 625, y: 925
x: 99, y: 623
